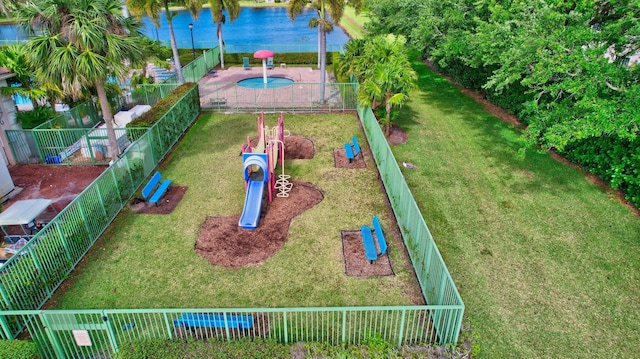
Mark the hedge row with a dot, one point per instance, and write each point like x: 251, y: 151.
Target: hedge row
x: 161, y: 108
x: 614, y: 159
x: 290, y: 58
x: 18, y: 349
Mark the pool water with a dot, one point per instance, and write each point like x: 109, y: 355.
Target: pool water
x: 258, y: 82
x: 254, y: 26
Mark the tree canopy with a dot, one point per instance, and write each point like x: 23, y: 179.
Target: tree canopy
x: 80, y: 44
x: 565, y: 67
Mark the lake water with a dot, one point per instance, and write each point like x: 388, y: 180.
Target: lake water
x: 254, y: 26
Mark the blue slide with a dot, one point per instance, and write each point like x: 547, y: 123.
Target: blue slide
x: 252, y: 205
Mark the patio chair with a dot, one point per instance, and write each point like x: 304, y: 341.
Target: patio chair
x: 245, y: 63
x: 270, y: 63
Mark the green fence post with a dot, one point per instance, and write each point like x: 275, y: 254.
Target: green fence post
x: 115, y: 182
x: 65, y: 245
x: 5, y: 327
x: 111, y: 334
x: 57, y: 348
x: 104, y: 210
x: 344, y: 327
x: 168, y: 323
x: 226, y: 327
x: 5, y: 297
x: 401, y: 336
x: 286, y: 329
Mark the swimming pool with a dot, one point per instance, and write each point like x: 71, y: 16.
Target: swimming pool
x: 258, y: 82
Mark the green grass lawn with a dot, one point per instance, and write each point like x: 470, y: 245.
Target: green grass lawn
x: 353, y: 23
x: 148, y: 261
x: 547, y: 263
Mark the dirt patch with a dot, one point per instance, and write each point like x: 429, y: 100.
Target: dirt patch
x: 166, y: 204
x: 225, y: 243
x: 398, y: 136
x: 298, y: 147
x: 61, y: 184
x: 356, y: 263
x: 340, y: 160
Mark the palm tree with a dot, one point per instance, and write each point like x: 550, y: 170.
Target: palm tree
x: 153, y: 7
x: 81, y: 43
x: 14, y: 57
x: 233, y: 9
x: 382, y: 64
x: 335, y: 8
x: 389, y: 86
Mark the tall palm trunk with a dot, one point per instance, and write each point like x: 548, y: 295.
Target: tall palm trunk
x: 174, y: 46
x: 323, y: 63
x: 221, y: 45
x: 108, y: 117
x: 4, y: 11
x: 319, y: 46
x: 387, y: 128
x: 323, y: 53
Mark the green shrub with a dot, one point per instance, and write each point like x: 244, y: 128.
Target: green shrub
x: 291, y: 58
x: 35, y: 117
x: 178, y: 349
x: 18, y: 349
x: 160, y: 108
x: 614, y: 159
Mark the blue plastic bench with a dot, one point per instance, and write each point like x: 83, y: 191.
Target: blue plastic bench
x: 348, y: 152
x: 356, y: 146
x: 382, y: 243
x: 150, y: 193
x: 369, y: 246
x: 206, y: 320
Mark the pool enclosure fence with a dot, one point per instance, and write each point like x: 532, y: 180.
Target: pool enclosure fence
x: 73, y: 139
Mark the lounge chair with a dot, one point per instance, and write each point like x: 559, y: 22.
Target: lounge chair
x: 245, y: 63
x: 270, y: 63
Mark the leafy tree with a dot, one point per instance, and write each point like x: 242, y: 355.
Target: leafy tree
x: 335, y: 8
x: 381, y: 64
x: 233, y: 9
x: 153, y: 7
x: 81, y: 43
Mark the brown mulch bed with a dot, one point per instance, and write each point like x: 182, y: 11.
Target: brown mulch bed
x: 166, y: 204
x: 298, y: 148
x: 397, y: 136
x: 340, y: 160
x: 223, y: 242
x: 356, y: 263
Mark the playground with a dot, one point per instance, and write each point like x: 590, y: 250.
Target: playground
x: 297, y: 255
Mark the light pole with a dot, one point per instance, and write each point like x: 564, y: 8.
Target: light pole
x: 193, y: 49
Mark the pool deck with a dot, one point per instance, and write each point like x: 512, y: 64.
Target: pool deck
x: 218, y: 91
x: 235, y: 74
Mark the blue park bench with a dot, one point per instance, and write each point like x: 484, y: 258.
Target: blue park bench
x: 150, y: 193
x: 352, y: 151
x: 367, y: 240
x: 211, y: 320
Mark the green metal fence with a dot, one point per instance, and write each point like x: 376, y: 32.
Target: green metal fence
x: 108, y: 329
x: 195, y: 70
x: 435, y: 280
x: 29, y: 278
x: 300, y: 96
x: 24, y: 143
x: 85, y: 115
